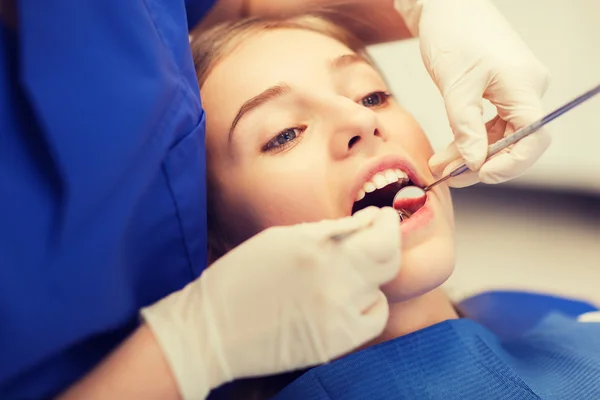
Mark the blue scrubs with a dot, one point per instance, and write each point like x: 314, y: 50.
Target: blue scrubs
x: 102, y: 180
x: 461, y: 360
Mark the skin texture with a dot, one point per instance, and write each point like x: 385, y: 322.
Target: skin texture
x: 336, y: 122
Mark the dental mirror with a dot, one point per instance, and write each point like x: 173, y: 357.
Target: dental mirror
x: 409, y: 198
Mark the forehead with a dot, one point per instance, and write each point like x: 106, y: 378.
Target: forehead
x: 294, y: 56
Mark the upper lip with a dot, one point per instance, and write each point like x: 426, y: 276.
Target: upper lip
x: 380, y: 164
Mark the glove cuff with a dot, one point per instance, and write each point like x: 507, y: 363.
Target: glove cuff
x: 180, y: 330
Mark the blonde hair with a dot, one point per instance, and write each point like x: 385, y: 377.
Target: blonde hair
x: 211, y: 46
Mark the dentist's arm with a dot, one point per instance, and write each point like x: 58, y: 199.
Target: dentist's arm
x: 373, y: 21
x: 266, y: 307
x: 138, y: 369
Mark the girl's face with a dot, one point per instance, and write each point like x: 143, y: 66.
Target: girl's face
x: 299, y: 127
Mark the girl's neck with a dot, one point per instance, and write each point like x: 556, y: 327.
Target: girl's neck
x: 418, y: 313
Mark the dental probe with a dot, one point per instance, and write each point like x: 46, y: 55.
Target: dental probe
x: 417, y: 194
x: 509, y: 140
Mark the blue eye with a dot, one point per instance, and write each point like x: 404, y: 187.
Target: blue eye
x: 283, y: 139
x: 375, y: 99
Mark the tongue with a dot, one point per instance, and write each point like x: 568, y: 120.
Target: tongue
x: 410, y: 198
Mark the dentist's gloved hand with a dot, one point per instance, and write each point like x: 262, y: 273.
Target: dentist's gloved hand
x: 471, y: 52
x: 288, y: 298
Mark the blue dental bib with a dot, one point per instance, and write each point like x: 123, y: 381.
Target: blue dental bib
x: 461, y: 360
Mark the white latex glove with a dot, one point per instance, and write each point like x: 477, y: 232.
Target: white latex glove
x: 288, y: 298
x: 471, y: 52
x: 592, y: 316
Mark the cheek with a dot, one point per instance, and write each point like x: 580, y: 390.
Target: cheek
x: 447, y: 205
x: 276, y: 192
x: 282, y: 201
x: 402, y: 129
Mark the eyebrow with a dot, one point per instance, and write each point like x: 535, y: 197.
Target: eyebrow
x: 269, y: 94
x: 281, y: 89
x: 347, y: 60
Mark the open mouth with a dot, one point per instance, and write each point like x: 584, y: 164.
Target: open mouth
x: 379, y: 191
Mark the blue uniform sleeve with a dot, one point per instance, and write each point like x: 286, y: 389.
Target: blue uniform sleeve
x: 195, y: 10
x: 102, y: 180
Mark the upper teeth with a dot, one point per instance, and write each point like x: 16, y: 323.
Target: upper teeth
x: 380, y: 180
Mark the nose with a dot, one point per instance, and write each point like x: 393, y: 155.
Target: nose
x: 355, y: 130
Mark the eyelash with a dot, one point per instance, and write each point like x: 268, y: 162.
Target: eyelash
x: 272, y: 145
x: 384, y: 98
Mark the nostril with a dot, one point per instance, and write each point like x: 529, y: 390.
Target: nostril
x: 376, y: 133
x: 353, y: 141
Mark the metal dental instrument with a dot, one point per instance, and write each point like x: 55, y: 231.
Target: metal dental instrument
x: 492, y: 150
x: 341, y: 236
x: 520, y: 134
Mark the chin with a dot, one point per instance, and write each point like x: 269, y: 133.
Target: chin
x: 424, y: 268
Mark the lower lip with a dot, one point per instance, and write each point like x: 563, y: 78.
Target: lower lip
x: 418, y: 220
